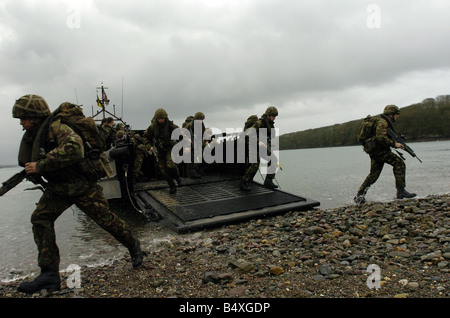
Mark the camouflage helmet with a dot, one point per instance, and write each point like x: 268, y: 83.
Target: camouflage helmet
x: 199, y: 116
x: 30, y: 106
x: 391, y: 110
x: 160, y: 113
x: 271, y: 111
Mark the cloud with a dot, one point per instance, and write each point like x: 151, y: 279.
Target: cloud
x: 319, y: 62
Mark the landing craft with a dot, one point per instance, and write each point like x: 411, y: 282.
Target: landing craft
x: 210, y: 201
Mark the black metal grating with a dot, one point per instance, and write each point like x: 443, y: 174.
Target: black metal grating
x: 219, y: 198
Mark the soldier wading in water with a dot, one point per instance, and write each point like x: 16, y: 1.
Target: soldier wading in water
x: 52, y: 150
x: 379, y: 149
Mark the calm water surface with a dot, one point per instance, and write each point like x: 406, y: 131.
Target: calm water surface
x: 329, y: 175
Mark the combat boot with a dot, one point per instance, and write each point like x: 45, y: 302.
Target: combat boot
x: 45, y: 280
x: 359, y: 199
x: 244, y: 186
x: 193, y: 171
x: 403, y: 194
x: 136, y: 254
x: 195, y: 175
x: 268, y: 183
x: 172, y: 187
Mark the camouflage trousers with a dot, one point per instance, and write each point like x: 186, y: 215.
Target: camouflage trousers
x: 138, y: 160
x: 251, y: 172
x: 193, y: 168
x: 51, y: 206
x: 253, y: 167
x: 377, y: 161
x: 167, y: 167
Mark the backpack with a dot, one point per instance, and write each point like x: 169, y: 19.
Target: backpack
x: 251, y: 120
x: 94, y: 143
x: 367, y: 132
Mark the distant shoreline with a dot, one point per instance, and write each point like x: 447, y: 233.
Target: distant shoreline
x: 355, y: 145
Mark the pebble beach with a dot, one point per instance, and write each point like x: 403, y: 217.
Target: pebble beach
x: 396, y: 249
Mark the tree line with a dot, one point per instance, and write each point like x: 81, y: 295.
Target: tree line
x: 424, y: 121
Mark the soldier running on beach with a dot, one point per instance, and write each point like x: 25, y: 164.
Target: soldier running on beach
x: 52, y: 150
x: 379, y: 149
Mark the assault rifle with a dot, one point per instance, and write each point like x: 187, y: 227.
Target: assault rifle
x: 12, y: 182
x: 401, y: 140
x: 18, y: 178
x: 154, y: 151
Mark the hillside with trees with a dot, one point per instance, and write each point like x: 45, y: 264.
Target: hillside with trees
x: 427, y: 120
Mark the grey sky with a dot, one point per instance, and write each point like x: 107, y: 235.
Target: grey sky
x: 319, y: 62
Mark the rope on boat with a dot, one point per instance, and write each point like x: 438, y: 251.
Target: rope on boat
x: 125, y: 169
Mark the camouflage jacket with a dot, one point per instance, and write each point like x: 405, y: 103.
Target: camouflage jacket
x: 190, y: 126
x: 59, y: 153
x: 263, y: 122
x: 159, y: 136
x: 383, y: 142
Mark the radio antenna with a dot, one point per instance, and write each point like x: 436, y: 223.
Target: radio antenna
x: 76, y: 96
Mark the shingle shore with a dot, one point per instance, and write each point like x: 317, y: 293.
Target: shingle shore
x: 394, y: 249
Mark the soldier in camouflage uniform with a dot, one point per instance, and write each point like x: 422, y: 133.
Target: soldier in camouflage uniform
x: 54, y: 151
x: 158, y: 136
x: 141, y: 150
x: 193, y: 168
x: 266, y: 121
x: 382, y: 154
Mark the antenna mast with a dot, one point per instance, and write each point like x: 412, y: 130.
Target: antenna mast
x: 103, y: 103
